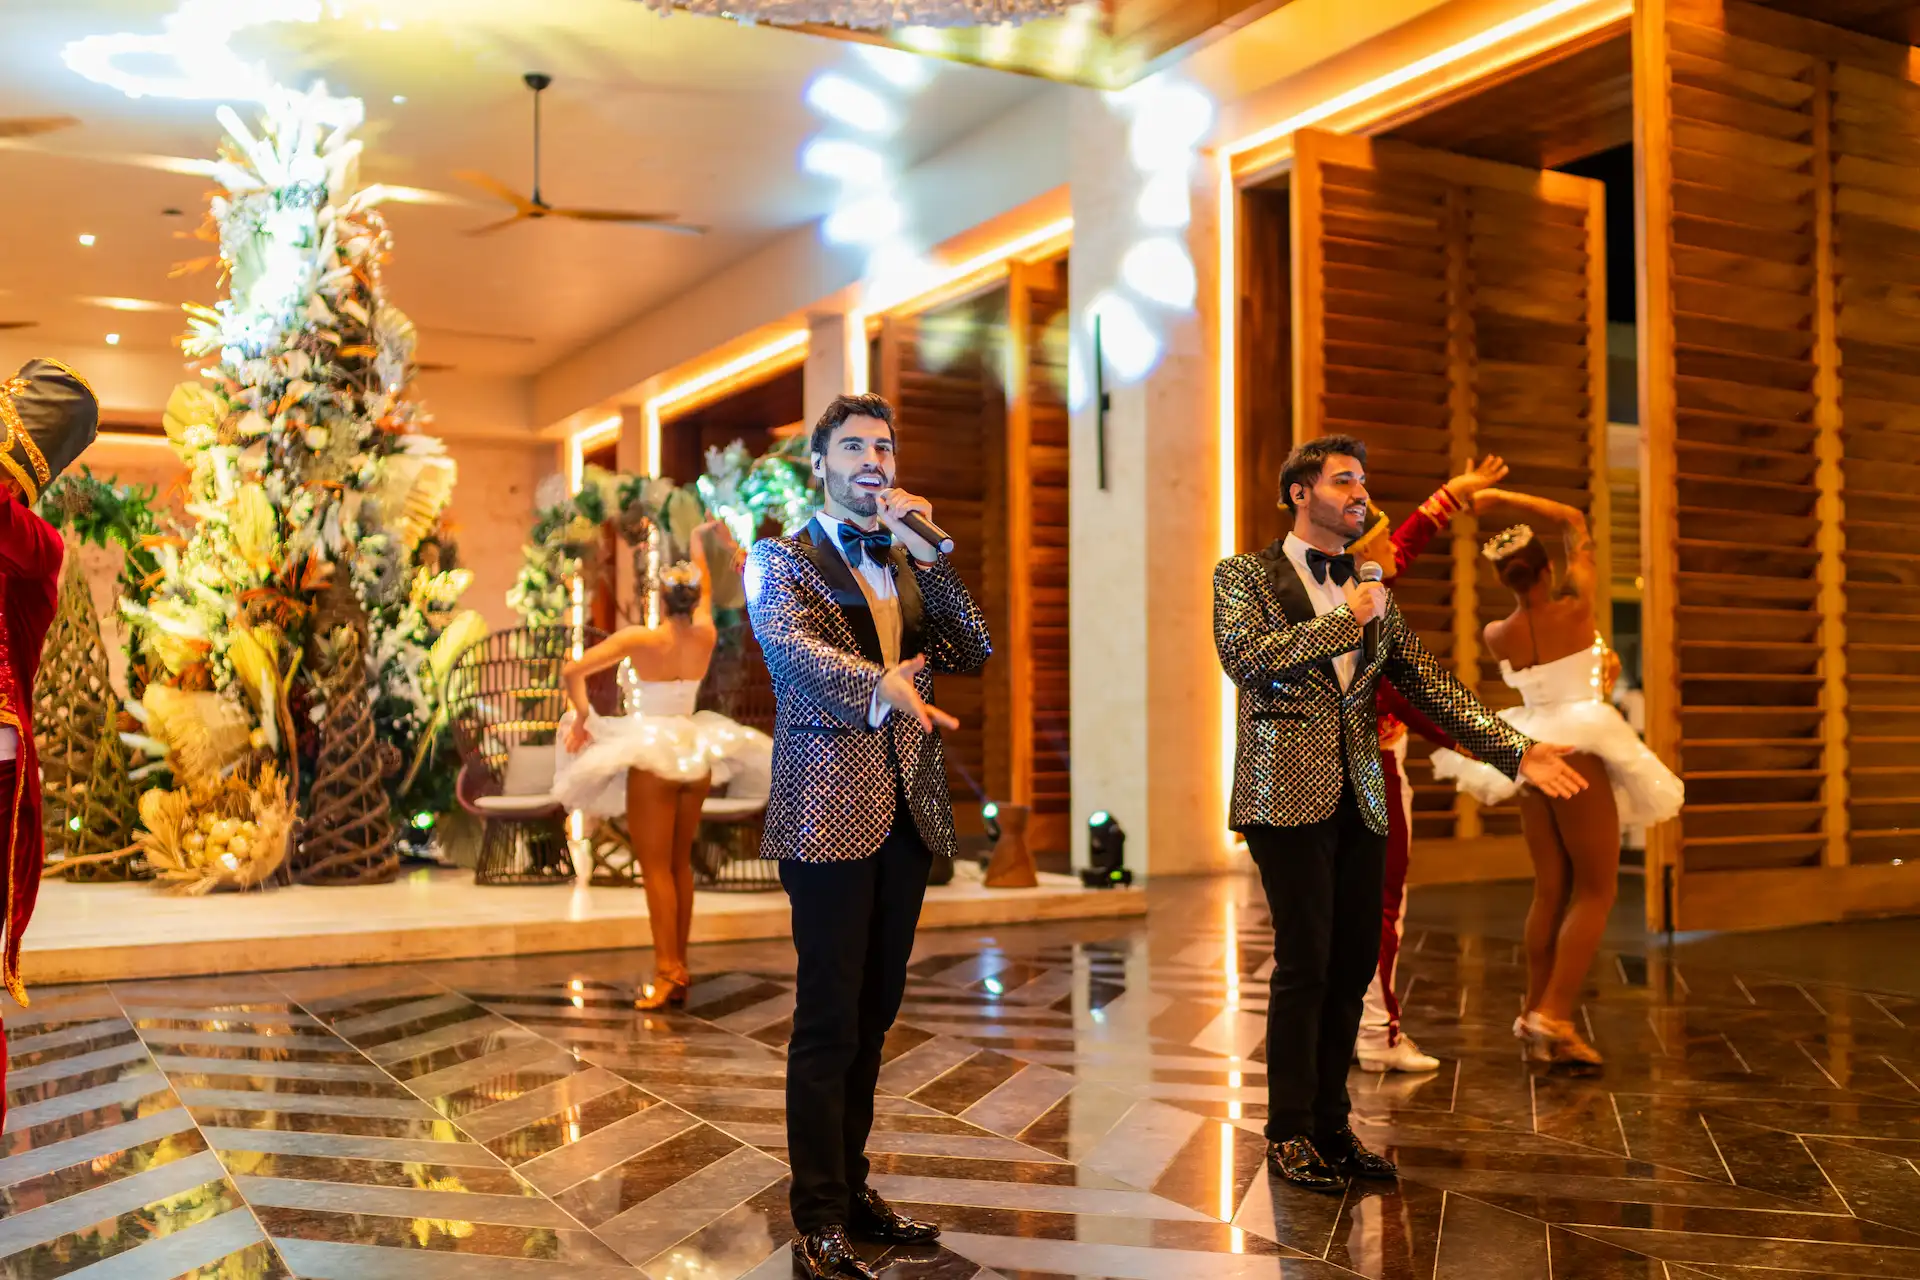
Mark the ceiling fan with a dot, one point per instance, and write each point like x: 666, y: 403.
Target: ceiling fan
x: 33, y: 126
x: 528, y: 207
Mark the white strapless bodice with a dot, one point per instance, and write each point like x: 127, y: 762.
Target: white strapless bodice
x: 667, y: 697
x: 1579, y: 677
x: 1566, y: 703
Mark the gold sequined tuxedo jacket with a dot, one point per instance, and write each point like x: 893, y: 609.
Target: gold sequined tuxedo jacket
x: 1296, y: 725
x: 834, y: 779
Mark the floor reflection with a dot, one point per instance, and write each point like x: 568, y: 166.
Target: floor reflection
x: 1076, y: 1099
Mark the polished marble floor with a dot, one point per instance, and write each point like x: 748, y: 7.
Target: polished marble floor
x: 1071, y: 1100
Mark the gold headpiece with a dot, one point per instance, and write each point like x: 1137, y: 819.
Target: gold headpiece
x: 1506, y: 542
x: 684, y: 574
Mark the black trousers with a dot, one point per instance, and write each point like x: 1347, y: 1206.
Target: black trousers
x: 853, y: 926
x: 1323, y: 885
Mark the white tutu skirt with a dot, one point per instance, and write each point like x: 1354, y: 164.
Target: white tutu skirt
x: 1645, y: 791
x: 678, y: 748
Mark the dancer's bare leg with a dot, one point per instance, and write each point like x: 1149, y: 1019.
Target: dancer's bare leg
x: 686, y: 825
x: 1589, y: 828
x: 652, y: 805
x: 1552, y: 879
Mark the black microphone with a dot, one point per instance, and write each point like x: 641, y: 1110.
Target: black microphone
x: 1370, y: 635
x: 928, y: 532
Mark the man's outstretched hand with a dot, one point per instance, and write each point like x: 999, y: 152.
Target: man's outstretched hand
x: 897, y: 691
x: 1545, y: 767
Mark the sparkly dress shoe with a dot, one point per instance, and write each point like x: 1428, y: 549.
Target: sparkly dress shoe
x: 826, y: 1255
x: 1298, y: 1161
x: 1402, y: 1055
x: 1344, y: 1153
x: 874, y: 1219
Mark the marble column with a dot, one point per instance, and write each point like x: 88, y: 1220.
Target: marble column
x: 828, y: 371
x: 1146, y: 684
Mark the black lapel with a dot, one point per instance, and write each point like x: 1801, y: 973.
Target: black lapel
x: 913, y: 606
x: 1291, y: 592
x: 815, y: 544
x: 1287, y: 587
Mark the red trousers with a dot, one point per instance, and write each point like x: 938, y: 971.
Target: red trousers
x: 7, y: 773
x: 1380, y: 1017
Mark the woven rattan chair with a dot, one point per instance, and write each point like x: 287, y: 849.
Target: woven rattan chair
x: 506, y: 702
x: 726, y: 854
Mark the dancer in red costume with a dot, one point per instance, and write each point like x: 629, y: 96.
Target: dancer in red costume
x: 1382, y: 1046
x: 49, y: 416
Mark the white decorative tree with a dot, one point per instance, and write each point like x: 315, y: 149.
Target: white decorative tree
x: 314, y: 495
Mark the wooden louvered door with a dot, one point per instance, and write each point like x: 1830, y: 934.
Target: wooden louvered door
x: 1779, y: 341
x: 943, y: 371
x: 1446, y: 307
x: 1035, y: 647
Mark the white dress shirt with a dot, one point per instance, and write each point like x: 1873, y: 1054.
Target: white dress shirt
x: 883, y: 598
x: 1326, y: 596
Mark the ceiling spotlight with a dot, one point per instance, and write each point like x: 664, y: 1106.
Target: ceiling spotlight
x: 851, y: 103
x: 399, y: 99
x: 113, y: 339
x: 87, y: 240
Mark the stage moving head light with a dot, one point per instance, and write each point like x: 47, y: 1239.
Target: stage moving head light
x: 990, y: 816
x: 1107, y: 848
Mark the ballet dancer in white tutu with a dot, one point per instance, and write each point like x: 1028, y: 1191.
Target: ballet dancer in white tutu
x: 657, y: 762
x: 1550, y: 650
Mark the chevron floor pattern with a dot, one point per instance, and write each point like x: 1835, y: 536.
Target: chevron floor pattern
x: 1070, y: 1100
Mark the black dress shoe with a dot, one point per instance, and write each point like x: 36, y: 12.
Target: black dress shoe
x: 826, y: 1255
x: 874, y: 1219
x: 1298, y: 1161
x: 1344, y: 1152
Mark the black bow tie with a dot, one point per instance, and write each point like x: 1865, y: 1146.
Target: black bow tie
x: 1321, y: 564
x: 877, y: 545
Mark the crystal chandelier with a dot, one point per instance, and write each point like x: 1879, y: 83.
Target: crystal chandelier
x: 872, y: 14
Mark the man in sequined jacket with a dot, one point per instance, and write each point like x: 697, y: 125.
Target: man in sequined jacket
x: 855, y: 614
x: 48, y: 416
x: 1308, y: 644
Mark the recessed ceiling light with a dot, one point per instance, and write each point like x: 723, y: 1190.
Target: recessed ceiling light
x: 87, y: 240
x: 399, y: 99
x: 126, y: 304
x: 113, y: 339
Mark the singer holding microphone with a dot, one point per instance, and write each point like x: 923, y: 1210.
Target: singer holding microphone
x: 855, y: 614
x: 1307, y: 636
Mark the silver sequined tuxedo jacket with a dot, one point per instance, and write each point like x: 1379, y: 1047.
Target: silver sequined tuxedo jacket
x: 1295, y: 723
x: 833, y: 777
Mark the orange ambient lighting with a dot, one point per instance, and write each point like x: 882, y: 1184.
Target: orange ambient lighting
x: 961, y: 277
x: 789, y: 346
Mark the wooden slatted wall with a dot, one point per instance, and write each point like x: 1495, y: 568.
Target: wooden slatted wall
x: 1875, y: 121
x: 1446, y: 307
x: 1265, y: 334
x: 943, y: 371
x: 1037, y: 470
x: 1783, y: 421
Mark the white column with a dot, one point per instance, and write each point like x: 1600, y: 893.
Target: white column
x: 632, y: 458
x: 827, y: 373
x: 1147, y: 722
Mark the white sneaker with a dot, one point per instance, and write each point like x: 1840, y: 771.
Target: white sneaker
x: 1404, y: 1056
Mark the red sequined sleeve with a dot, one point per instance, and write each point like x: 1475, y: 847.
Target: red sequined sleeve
x: 1418, y: 529
x: 1393, y: 704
